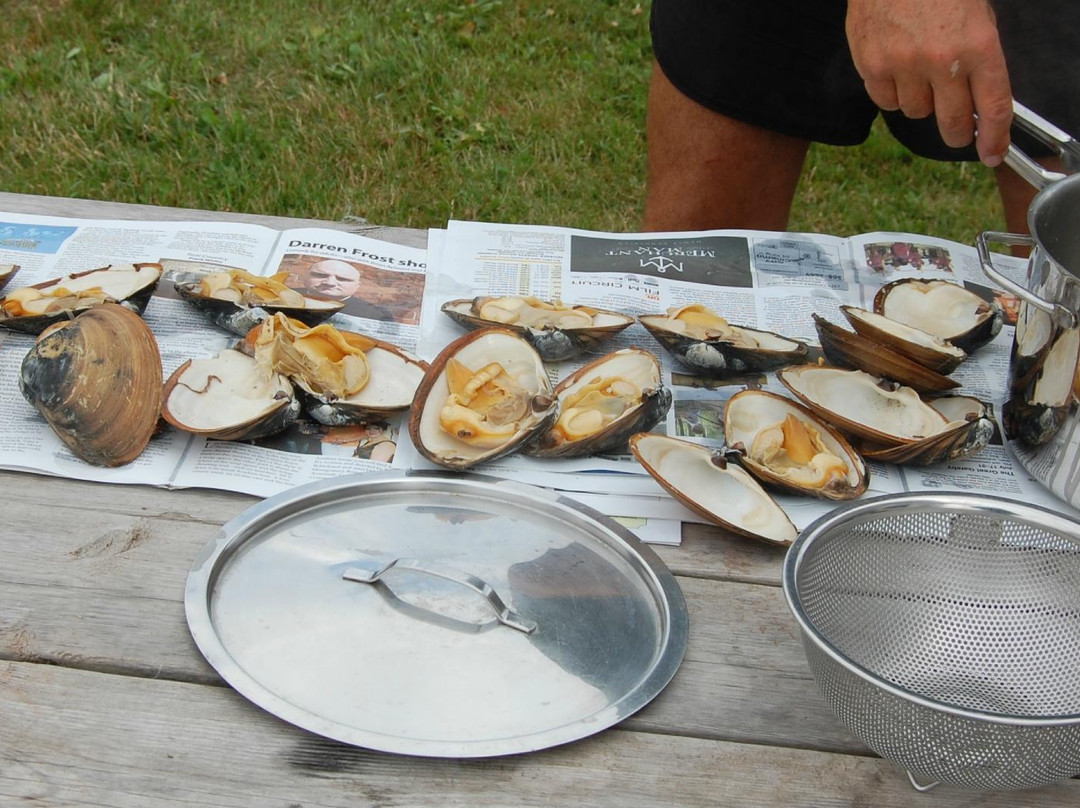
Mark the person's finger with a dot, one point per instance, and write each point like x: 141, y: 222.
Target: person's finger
x: 915, y: 96
x: 883, y: 93
x: 953, y: 109
x: 992, y: 97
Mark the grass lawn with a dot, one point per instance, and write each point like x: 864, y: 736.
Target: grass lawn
x: 402, y: 113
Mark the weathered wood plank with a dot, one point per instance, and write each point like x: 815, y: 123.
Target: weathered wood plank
x: 102, y: 589
x: 77, y: 738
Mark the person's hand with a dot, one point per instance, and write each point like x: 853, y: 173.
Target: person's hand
x: 940, y: 56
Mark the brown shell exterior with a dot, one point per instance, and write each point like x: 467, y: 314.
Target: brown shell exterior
x: 850, y: 349
x: 938, y: 361
x: 97, y: 381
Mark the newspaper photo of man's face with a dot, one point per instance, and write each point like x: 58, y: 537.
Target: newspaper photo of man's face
x: 332, y: 279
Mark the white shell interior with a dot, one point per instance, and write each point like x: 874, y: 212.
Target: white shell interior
x: 635, y: 366
x: 943, y: 309
x: 908, y: 333
x: 747, y: 414
x: 857, y: 396
x: 119, y: 282
x: 392, y: 383
x: 239, y: 395
x: 730, y: 495
x: 517, y: 358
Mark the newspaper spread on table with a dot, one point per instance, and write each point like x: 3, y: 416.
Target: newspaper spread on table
x: 770, y: 281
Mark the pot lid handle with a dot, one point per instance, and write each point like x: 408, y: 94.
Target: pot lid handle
x: 503, y: 613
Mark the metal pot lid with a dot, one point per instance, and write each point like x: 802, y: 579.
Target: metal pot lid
x: 436, y: 614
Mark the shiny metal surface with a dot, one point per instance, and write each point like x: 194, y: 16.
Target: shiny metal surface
x: 418, y: 661
x: 942, y: 629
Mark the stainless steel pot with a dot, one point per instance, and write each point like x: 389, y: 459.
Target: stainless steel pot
x: 1040, y: 416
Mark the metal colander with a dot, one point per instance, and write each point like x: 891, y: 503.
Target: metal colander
x: 944, y: 631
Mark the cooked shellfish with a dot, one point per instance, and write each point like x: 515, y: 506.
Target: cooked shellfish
x: 602, y: 404
x: 863, y: 405
x: 97, y: 381
x: 849, y: 349
x: 7, y: 272
x: 968, y: 429
x: 228, y: 397
x: 342, y: 377
x: 783, y: 443
x: 914, y: 343
x: 238, y: 301
x: 555, y: 330
x: 485, y: 395
x: 31, y: 309
x: 720, y: 491
x: 942, y: 308
x: 705, y: 342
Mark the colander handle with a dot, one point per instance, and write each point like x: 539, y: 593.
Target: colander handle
x: 924, y: 787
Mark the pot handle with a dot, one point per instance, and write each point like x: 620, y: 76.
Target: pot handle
x: 1045, y: 132
x: 503, y: 613
x: 1058, y: 313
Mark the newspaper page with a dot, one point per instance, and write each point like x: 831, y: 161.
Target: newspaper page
x: 770, y: 281
x: 381, y: 284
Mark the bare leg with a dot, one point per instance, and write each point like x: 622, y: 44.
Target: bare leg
x: 708, y: 171
x: 1016, y: 195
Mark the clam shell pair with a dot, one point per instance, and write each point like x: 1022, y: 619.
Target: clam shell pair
x: 556, y: 331
x: 488, y: 394
x: 724, y: 350
x: 250, y: 392
x: 891, y: 422
x: 32, y: 309
x: 97, y: 381
x: 238, y: 306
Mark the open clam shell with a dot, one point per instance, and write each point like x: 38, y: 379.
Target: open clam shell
x: 914, y: 343
x: 942, y: 308
x: 783, y: 443
x: 850, y: 349
x: 228, y: 397
x: 863, y: 405
x: 341, y: 377
x: 7, y: 272
x: 556, y: 331
x: 484, y: 396
x: 710, y: 346
x: 97, y: 381
x: 720, y: 491
x: 238, y: 301
x: 32, y: 309
x: 968, y: 430
x: 602, y: 404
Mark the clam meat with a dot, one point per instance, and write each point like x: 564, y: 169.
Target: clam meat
x: 31, y: 309
x: 557, y: 331
x: 228, y: 397
x: 709, y: 345
x: 942, y: 308
x: 237, y: 300
x: 342, y: 377
x: 720, y: 491
x: 785, y: 444
x: 602, y: 404
x: 97, y: 381
x: 484, y: 396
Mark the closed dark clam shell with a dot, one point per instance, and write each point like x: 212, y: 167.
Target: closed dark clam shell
x: 97, y: 381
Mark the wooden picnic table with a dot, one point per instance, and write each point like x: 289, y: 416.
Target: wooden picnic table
x: 105, y: 699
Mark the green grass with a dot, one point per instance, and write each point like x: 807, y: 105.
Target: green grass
x: 403, y: 113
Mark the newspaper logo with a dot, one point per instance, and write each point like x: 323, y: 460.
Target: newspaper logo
x: 661, y: 264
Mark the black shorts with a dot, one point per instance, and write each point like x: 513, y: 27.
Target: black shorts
x: 785, y: 65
